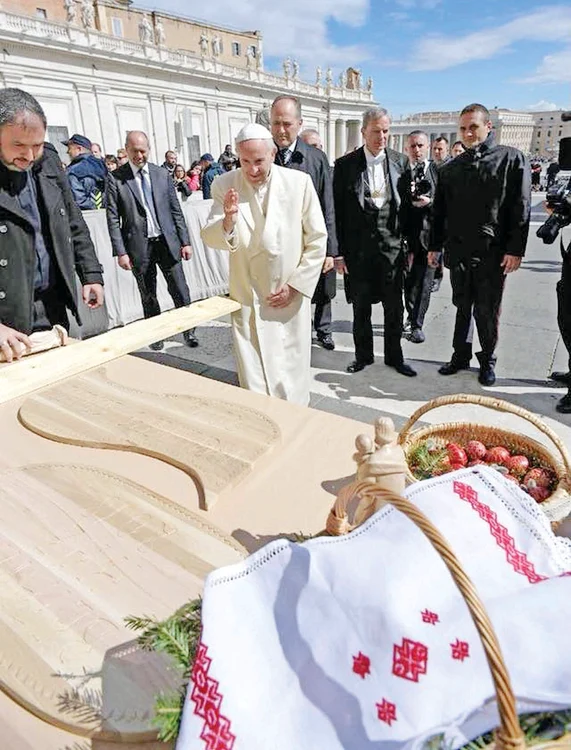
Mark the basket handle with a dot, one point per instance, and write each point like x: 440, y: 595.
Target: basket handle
x: 509, y: 735
x: 496, y: 404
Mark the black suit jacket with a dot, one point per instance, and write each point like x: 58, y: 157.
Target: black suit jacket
x: 315, y: 163
x: 416, y: 222
x: 127, y: 220
x: 64, y: 231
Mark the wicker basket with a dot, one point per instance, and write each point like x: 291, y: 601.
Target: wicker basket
x: 509, y: 735
x: 558, y: 504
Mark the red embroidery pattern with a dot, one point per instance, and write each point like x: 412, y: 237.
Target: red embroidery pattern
x: 518, y: 560
x: 387, y: 711
x: 460, y: 650
x: 361, y: 665
x: 430, y: 617
x: 216, y: 732
x: 409, y: 660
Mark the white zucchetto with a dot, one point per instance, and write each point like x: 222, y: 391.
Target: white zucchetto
x: 254, y: 132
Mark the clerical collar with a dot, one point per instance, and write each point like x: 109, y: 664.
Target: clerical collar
x: 371, y: 159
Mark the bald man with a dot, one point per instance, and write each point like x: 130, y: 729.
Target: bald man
x: 147, y: 228
x: 270, y: 219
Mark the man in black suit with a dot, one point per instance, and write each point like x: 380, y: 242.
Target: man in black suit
x: 285, y: 125
x: 420, y: 185
x: 147, y: 228
x: 368, y: 185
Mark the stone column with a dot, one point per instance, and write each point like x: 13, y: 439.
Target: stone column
x: 88, y: 112
x: 159, y: 137
x: 329, y: 145
x: 340, y: 138
x: 111, y: 140
x: 353, y: 134
x: 213, y: 131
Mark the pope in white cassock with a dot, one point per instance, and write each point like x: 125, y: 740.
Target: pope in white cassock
x: 270, y: 220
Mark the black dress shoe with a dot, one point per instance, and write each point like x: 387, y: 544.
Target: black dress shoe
x: 359, y: 364
x: 190, y: 339
x: 157, y: 346
x: 326, y: 341
x: 403, y: 369
x: 561, y: 377
x: 452, y: 367
x: 417, y: 336
x: 487, y: 375
x: 564, y: 405
x: 436, y: 285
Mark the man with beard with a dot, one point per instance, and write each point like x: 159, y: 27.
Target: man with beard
x: 44, y: 240
x: 294, y: 153
x: 368, y: 185
x: 481, y: 217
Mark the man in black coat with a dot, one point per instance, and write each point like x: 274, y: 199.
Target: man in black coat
x: 420, y: 184
x: 147, y: 228
x: 368, y: 185
x: 285, y: 125
x: 481, y: 217
x: 44, y: 240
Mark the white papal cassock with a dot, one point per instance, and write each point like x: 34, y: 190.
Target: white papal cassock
x: 279, y: 238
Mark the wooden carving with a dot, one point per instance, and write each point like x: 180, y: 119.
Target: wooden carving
x: 215, y: 442
x: 380, y: 462
x: 81, y: 549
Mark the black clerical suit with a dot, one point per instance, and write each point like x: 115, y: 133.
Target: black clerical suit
x: 481, y: 213
x: 313, y: 162
x: 415, y: 221
x: 369, y: 240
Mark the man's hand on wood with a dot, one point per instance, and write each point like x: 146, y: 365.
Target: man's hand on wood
x: 13, y: 343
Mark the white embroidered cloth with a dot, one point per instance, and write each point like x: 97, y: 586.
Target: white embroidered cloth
x: 363, y: 642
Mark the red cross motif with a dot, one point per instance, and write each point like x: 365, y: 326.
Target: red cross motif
x: 430, y: 617
x: 216, y: 731
x: 460, y: 650
x: 361, y: 665
x: 517, y: 559
x: 409, y: 660
x: 387, y: 711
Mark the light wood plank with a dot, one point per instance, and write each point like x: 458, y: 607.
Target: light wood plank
x: 34, y: 372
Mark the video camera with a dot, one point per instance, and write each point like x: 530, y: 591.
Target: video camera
x: 420, y: 184
x: 558, y: 197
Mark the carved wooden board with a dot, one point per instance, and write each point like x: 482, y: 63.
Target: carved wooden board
x: 81, y: 548
x: 215, y: 442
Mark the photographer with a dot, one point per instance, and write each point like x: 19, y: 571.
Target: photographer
x: 558, y: 205
x: 415, y: 218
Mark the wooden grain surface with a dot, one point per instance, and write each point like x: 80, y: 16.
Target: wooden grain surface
x: 31, y: 373
x: 215, y: 442
x: 81, y: 548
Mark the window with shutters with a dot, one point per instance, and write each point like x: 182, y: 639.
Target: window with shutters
x: 117, y: 27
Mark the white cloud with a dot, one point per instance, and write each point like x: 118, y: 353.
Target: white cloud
x: 542, y: 106
x: 550, y: 23
x: 422, y: 4
x: 297, y: 28
x: 554, y: 68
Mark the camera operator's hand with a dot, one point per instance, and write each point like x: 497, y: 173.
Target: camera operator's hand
x: 511, y: 263
x: 547, y: 207
x: 433, y: 259
x: 422, y: 201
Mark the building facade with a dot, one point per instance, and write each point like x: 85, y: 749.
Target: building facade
x: 549, y: 130
x: 511, y: 128
x: 158, y: 76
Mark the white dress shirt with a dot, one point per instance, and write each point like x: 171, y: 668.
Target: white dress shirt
x: 153, y: 230
x: 376, y: 176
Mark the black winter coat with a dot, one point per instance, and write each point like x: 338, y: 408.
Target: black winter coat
x: 65, y: 234
x: 482, y: 204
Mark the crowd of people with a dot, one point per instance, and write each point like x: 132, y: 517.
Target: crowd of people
x: 388, y: 222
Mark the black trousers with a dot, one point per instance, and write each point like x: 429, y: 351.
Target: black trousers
x: 49, y: 309
x: 477, y: 289
x: 564, y: 304
x: 145, y: 273
x: 393, y: 318
x: 418, y: 288
x: 322, y: 318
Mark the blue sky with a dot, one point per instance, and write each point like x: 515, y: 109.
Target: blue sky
x: 422, y: 54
